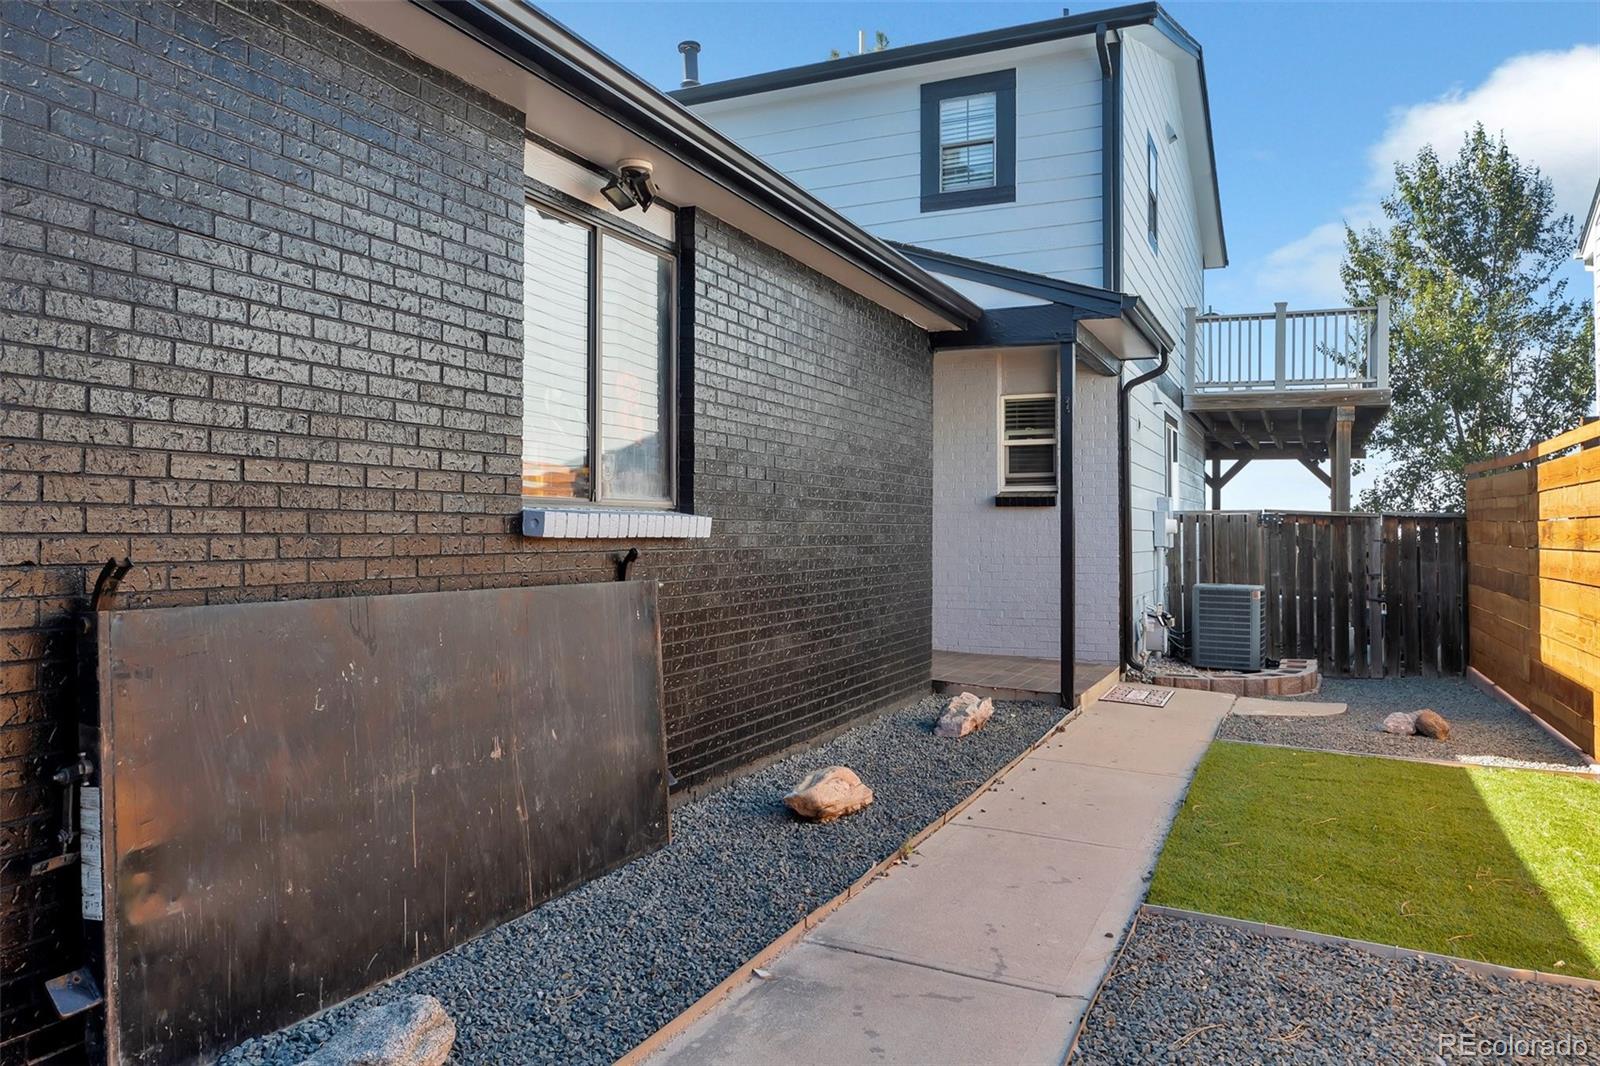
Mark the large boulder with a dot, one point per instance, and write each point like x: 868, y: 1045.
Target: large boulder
x: 1400, y: 723
x: 1430, y: 723
x: 829, y: 793
x: 965, y: 714
x: 414, y: 1031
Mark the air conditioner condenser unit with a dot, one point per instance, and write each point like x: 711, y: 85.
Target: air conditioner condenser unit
x: 1228, y: 630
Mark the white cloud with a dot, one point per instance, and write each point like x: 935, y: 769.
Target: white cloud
x: 1544, y: 102
x: 1547, y: 104
x: 1306, y: 270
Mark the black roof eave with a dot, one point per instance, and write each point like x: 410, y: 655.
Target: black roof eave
x: 1112, y: 18
x: 588, y: 74
x: 1082, y: 301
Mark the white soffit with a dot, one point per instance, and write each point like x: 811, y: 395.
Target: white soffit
x: 1120, y: 338
x: 989, y: 297
x: 563, y: 119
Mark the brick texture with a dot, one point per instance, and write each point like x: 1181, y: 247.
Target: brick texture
x: 260, y: 332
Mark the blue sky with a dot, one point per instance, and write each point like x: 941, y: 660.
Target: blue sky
x: 1310, y: 104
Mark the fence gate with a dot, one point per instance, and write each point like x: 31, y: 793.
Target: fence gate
x: 1366, y: 595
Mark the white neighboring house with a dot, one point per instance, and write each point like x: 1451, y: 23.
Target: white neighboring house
x: 1589, y: 252
x: 1061, y: 175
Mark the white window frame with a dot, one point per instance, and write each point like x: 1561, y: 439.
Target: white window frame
x: 598, y: 226
x: 1036, y: 488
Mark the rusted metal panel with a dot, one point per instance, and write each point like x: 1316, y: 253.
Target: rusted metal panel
x: 304, y: 798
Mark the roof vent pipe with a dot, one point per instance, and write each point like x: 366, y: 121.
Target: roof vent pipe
x: 691, y: 63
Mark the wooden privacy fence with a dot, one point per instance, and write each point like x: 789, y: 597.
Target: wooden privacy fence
x: 1366, y: 595
x: 1533, y: 591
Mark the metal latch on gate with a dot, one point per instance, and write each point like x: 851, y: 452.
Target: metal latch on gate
x: 68, y: 777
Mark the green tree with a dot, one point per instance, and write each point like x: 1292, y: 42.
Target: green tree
x: 1487, y: 353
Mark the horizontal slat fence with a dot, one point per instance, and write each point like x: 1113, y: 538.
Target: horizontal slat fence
x: 1533, y: 588
x: 1366, y: 595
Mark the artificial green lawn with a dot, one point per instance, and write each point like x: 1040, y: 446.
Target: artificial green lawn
x: 1490, y: 864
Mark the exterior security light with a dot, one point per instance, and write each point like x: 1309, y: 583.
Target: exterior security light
x: 618, y: 195
x: 631, y: 187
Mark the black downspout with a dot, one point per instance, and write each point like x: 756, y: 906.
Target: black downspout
x: 1125, y: 507
x: 1066, y: 383
x: 1110, y: 52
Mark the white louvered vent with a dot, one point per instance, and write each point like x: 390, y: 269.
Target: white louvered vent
x: 1028, y: 440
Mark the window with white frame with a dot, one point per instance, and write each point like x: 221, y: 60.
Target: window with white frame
x: 969, y: 141
x: 597, y: 364
x: 1028, y: 443
x: 1152, y: 173
x: 1172, y: 457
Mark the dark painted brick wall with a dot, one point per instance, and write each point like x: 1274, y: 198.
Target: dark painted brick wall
x: 261, y: 334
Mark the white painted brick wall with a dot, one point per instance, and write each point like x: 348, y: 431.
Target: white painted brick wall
x: 997, y: 570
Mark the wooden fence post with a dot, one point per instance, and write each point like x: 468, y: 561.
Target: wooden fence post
x: 1374, y: 588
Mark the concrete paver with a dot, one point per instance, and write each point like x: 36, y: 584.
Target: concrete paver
x: 987, y: 944
x: 824, y: 1005
x: 1011, y: 907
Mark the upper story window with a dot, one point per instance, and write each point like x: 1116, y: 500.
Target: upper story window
x: 1028, y: 443
x: 969, y: 141
x: 597, y: 363
x: 1152, y: 173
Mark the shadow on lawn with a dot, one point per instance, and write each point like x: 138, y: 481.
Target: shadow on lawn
x: 1489, y: 864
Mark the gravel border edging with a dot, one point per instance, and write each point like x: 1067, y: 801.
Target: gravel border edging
x: 663, y: 1036
x: 1592, y: 770
x: 1387, y: 951
x: 1485, y: 729
x: 1486, y: 685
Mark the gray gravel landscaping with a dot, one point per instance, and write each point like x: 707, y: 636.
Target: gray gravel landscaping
x: 1484, y: 728
x: 586, y: 977
x: 1190, y: 991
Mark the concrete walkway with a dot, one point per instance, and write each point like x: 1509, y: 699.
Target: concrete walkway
x: 987, y: 944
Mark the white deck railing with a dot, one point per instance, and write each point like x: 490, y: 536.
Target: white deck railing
x: 1286, y: 351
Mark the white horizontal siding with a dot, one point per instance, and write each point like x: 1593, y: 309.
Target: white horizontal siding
x: 855, y: 143
x: 1170, y: 276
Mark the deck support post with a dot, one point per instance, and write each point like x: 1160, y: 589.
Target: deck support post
x: 1217, y: 479
x: 1344, y: 421
x: 1066, y: 375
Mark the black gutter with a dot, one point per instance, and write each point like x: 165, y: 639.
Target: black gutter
x: 1066, y: 371
x: 1146, y: 14
x: 556, y: 55
x: 1125, y: 508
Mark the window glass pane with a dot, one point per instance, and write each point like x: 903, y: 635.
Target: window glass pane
x: 1030, y: 416
x: 1031, y: 464
x: 966, y: 118
x: 635, y: 351
x: 967, y: 142
x: 967, y: 167
x: 555, y: 356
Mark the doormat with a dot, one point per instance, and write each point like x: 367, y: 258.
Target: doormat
x: 1143, y: 697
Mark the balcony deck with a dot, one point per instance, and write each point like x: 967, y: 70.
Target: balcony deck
x: 1302, y: 385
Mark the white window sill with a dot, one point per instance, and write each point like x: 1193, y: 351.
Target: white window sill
x: 613, y: 523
